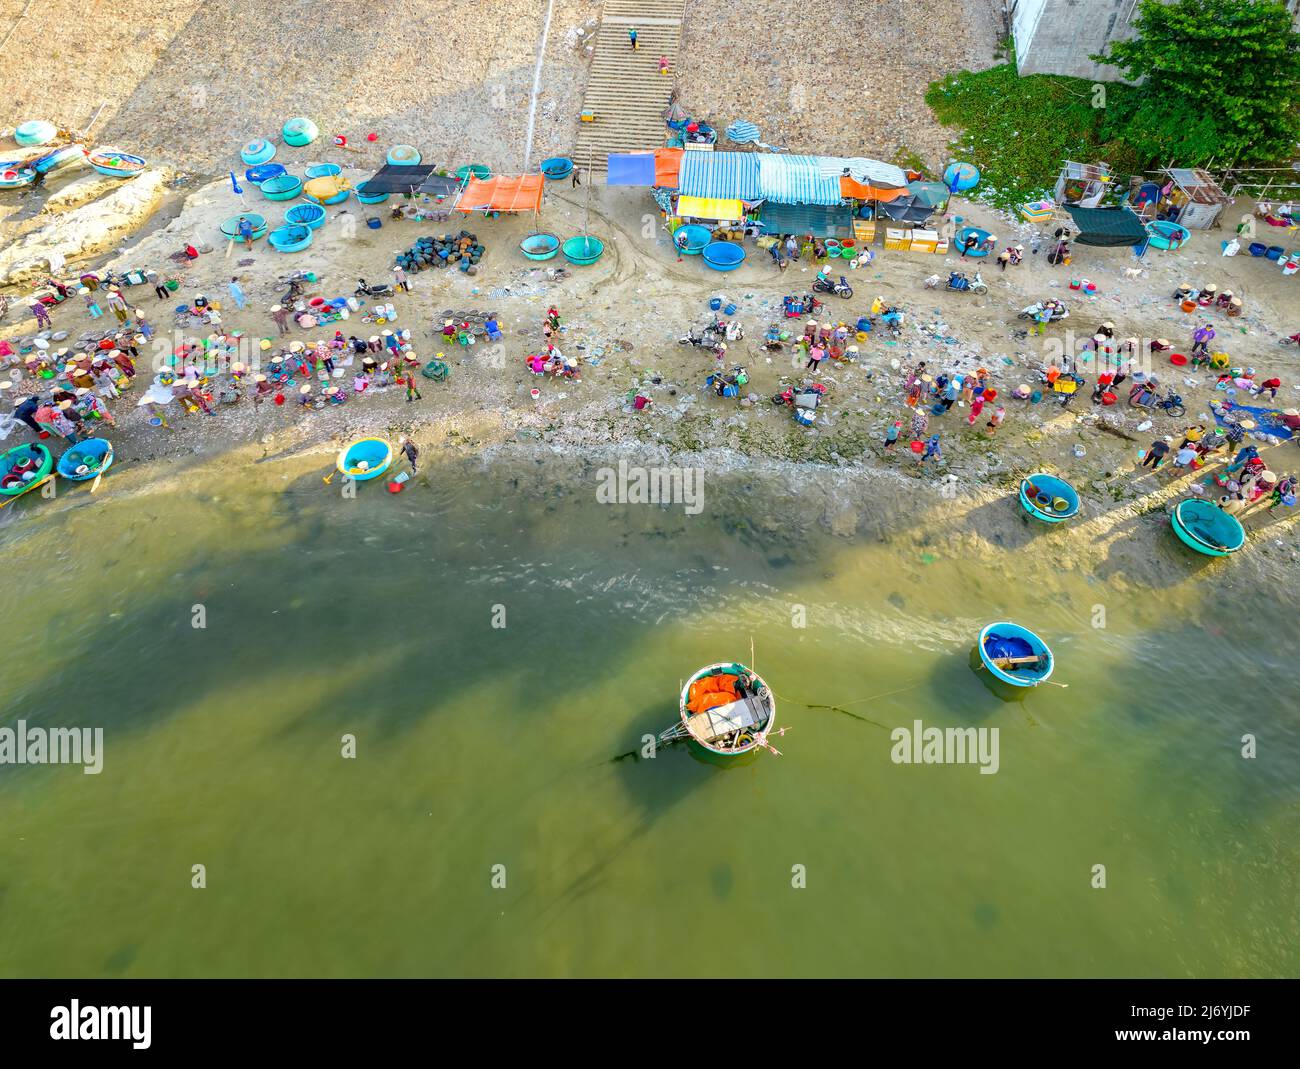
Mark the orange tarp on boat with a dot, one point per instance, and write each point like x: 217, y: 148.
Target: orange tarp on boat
x: 502, y: 194
x: 712, y: 691
x: 668, y: 167
x: 860, y: 191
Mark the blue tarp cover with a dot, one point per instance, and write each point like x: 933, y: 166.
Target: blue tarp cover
x: 631, y: 169
x: 720, y: 175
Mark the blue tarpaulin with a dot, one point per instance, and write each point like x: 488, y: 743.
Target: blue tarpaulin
x: 631, y: 169
x: 722, y: 175
x: 1267, y: 420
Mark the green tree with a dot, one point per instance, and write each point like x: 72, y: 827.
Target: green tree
x: 1219, y: 78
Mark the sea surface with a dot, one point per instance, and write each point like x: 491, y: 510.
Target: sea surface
x: 496, y: 647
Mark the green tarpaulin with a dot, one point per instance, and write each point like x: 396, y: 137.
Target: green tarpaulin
x: 823, y: 221
x: 1107, y: 226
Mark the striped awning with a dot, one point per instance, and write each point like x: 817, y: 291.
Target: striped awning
x: 868, y: 172
x: 724, y: 175
x: 710, y: 208
x: 796, y: 180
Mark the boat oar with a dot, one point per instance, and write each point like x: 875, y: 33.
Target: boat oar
x: 1003, y: 662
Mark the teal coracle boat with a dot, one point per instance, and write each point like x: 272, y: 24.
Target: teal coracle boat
x: 726, y: 710
x: 323, y: 170
x: 723, y: 255
x: 1047, y: 498
x: 403, y: 156
x: 14, y: 177
x: 308, y: 215
x: 557, y: 167
x: 480, y: 171
x: 1166, y: 235
x: 289, y: 238
x: 300, y: 131
x: 691, y: 239
x: 1014, y: 654
x: 230, y: 227
x: 22, y: 469
x: 1207, y: 528
x: 282, y: 187
x: 86, y: 460
x: 583, y: 251
x: 369, y: 198
x: 539, y: 246
x: 366, y: 458
x: 257, y: 151
x: 35, y: 132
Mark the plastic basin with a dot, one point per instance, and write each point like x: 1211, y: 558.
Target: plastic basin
x: 540, y: 246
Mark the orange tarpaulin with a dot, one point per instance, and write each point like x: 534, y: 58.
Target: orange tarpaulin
x: 859, y: 191
x: 668, y: 166
x: 501, y: 194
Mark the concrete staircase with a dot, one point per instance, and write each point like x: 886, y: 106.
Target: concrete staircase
x: 624, y: 88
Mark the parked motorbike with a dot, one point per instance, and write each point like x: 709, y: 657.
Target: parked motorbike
x: 959, y: 283
x: 804, y: 400
x: 728, y: 384
x: 795, y: 306
x: 383, y: 289
x: 1057, y: 308
x: 842, y: 289
x: 1143, y: 395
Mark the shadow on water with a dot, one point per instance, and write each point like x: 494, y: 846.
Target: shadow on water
x: 1003, y: 523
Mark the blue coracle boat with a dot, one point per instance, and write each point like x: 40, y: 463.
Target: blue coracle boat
x: 1207, y: 528
x: 366, y: 458
x: 87, y: 459
x: 1047, y: 498
x: 1014, y: 654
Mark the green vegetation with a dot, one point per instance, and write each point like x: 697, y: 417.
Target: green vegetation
x: 1221, y: 82
x: 1018, y: 130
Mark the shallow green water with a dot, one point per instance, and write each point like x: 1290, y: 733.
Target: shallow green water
x: 517, y: 746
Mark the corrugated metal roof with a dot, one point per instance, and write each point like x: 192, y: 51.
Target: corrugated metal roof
x: 721, y: 175
x: 796, y: 180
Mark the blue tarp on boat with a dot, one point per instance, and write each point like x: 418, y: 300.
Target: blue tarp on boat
x: 631, y: 169
x: 720, y: 175
x: 796, y: 180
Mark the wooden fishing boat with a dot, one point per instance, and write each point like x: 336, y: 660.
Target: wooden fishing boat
x: 22, y: 469
x: 1014, y: 654
x: 13, y: 176
x: 60, y: 157
x: 1047, y: 498
x: 1207, y: 528
x: 366, y: 458
x: 726, y: 709
x: 116, y: 163
x: 86, y: 460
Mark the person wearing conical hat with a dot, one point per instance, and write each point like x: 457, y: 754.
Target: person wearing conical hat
x: 281, y: 317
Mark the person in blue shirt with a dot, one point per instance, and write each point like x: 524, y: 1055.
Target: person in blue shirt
x: 246, y: 231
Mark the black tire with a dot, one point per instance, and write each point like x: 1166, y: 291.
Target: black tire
x: 845, y: 293
x: 1177, y: 410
